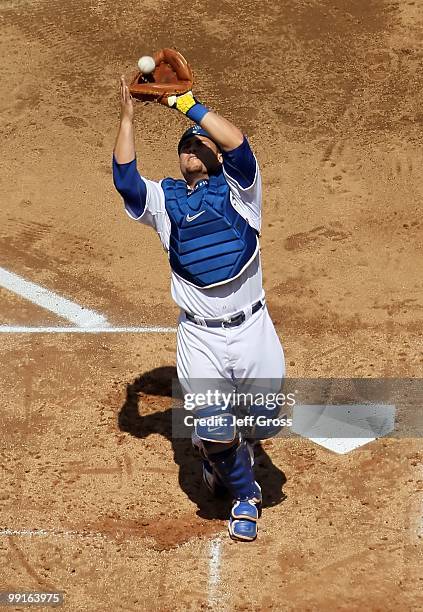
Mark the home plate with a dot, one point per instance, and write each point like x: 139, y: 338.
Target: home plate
x: 342, y: 428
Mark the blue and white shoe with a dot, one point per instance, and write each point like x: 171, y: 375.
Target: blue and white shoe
x: 243, y: 522
x: 244, y: 516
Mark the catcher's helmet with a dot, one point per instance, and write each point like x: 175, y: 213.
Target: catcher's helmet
x: 195, y: 130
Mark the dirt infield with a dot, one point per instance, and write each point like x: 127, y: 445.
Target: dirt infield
x: 97, y: 500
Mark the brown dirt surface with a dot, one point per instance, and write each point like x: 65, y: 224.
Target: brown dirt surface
x: 330, y: 94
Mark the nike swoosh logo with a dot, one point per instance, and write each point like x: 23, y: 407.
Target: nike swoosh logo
x: 189, y: 219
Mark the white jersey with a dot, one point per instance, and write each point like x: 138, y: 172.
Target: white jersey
x: 232, y: 296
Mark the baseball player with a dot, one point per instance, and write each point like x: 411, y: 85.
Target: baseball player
x: 209, y: 223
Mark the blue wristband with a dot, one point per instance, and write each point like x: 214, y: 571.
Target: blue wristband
x: 197, y: 112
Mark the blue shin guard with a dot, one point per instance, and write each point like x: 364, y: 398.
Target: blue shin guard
x: 234, y: 468
x: 210, y: 477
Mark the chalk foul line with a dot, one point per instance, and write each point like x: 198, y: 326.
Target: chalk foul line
x: 215, y: 597
x: 72, y: 312
x: 85, y: 320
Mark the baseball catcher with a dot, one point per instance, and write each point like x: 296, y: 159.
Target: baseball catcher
x: 209, y: 224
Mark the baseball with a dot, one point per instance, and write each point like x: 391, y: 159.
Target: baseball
x: 146, y: 64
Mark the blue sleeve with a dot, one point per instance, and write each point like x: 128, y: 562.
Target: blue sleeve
x: 130, y: 186
x: 240, y: 164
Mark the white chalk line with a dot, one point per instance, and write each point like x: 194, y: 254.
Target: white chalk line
x: 214, y: 597
x: 16, y: 329
x: 83, y: 317
x: 86, y: 321
x: 417, y: 510
x: 50, y: 532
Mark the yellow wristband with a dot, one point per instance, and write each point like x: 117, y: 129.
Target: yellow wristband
x: 185, y: 102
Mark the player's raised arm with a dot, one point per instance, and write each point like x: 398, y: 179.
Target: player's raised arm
x: 223, y: 132
x: 238, y: 159
x: 125, y: 174
x: 124, y: 150
x: 227, y: 135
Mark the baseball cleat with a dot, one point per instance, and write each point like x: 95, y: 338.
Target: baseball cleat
x: 243, y: 522
x: 242, y: 531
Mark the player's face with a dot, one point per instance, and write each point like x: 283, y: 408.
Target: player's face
x: 199, y: 155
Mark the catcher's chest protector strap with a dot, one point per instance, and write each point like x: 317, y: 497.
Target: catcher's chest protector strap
x: 210, y: 242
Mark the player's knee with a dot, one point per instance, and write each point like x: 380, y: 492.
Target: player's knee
x: 215, y: 424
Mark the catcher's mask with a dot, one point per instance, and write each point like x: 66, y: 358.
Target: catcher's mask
x: 195, y: 130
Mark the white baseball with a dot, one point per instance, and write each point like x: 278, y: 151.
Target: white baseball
x: 146, y: 64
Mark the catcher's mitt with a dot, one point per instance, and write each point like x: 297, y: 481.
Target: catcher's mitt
x: 172, y: 76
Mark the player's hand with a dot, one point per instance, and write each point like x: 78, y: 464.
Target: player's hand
x: 126, y: 102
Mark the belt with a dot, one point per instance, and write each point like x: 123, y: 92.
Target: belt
x: 233, y: 321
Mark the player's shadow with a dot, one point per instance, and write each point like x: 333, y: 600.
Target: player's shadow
x: 158, y: 382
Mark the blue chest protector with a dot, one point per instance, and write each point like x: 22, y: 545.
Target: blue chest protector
x: 210, y: 242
